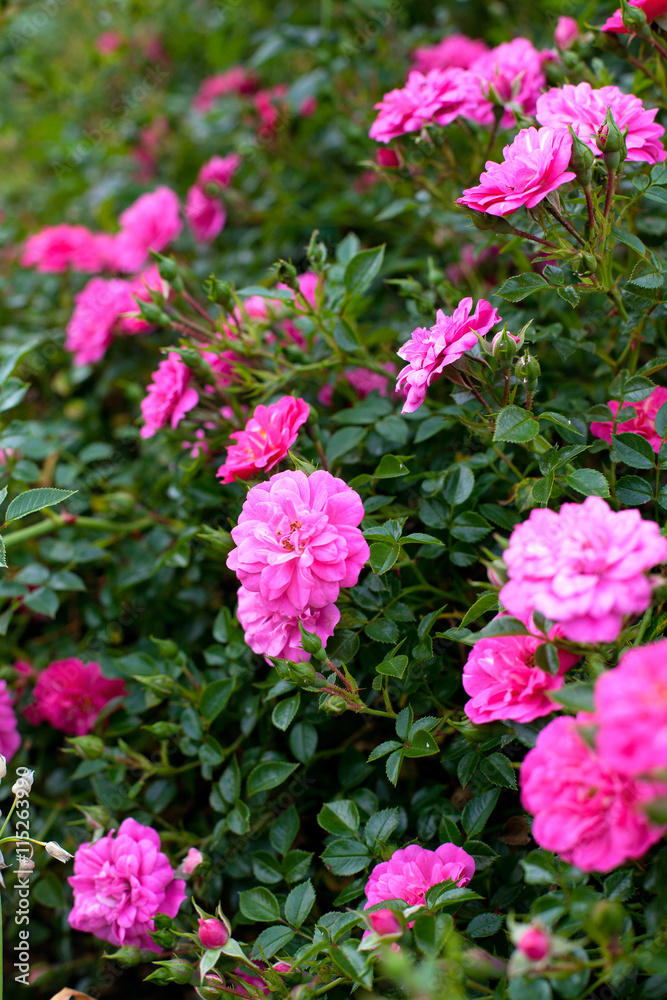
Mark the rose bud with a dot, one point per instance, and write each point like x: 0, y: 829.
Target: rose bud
x: 213, y: 933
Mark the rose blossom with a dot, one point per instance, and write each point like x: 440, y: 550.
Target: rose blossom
x: 631, y: 708
x: 585, y: 109
x: 411, y: 871
x: 265, y: 439
x: 566, y: 33
x: 653, y: 9
x: 212, y: 933
x: 534, y: 164
x: 584, y: 810
x: 364, y: 381
x: 168, y: 397
x: 504, y: 682
x: 219, y: 170
x: 206, y: 214
x: 583, y: 567
x: 237, y: 80
x: 429, y: 350
x: 298, y: 542
x: 139, y: 288
x: 437, y: 97
x: 454, y: 50
x: 10, y: 739
x: 272, y: 633
x: 120, y: 883
x: 96, y: 309
x: 150, y: 223
x: 70, y: 694
x: 643, y: 423
x: 55, y: 248
x: 515, y: 71
x: 193, y: 859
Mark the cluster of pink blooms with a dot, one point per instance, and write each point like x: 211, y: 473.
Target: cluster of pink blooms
x: 583, y: 567
x: 120, y: 883
x: 297, y: 543
x: 265, y: 440
x: 429, y: 350
x: 205, y: 211
x: 643, y: 423
x: 269, y: 103
x: 70, y: 694
x: 169, y: 395
x: 459, y: 77
x: 237, y: 80
x: 653, y: 9
x: 411, y: 871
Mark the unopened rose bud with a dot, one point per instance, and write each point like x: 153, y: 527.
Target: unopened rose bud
x: 127, y: 956
x: 497, y: 572
x: 57, y: 852
x: 219, y: 292
x: 317, y: 251
x: 484, y: 221
x: 388, y: 158
x: 634, y: 19
x: 173, y: 971
x: 581, y: 160
x: 152, y: 314
x: 334, y: 705
x: 213, y: 933
x: 386, y: 924
x: 505, y: 345
x: 88, y: 747
x: 287, y: 273
x: 211, y: 988
x: 535, y: 943
x: 192, y: 860
x: 566, y: 33
x: 311, y: 643
x: 282, y: 967
x: 303, y: 673
x: 611, y: 142
x: 527, y: 370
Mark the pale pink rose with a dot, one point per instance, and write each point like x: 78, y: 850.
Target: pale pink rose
x: 434, y: 98
x: 265, y: 440
x: 412, y: 870
x: 534, y: 164
x: 298, y: 542
x: 272, y: 633
x: 96, y: 310
x: 10, y: 739
x: 535, y: 942
x: 57, y: 248
x: 168, y: 397
x: 206, y: 214
x: 121, y: 883
x: 515, y: 71
x: 429, y: 350
x: 70, y: 694
x: 584, y: 810
x: 566, y: 33
x: 150, y: 223
x: 631, y: 708
x: 643, y: 423
x: 585, y: 109
x: 219, y: 170
x: 108, y: 42
x: 504, y: 682
x: 237, y: 80
x: 584, y: 567
x: 192, y: 861
x: 652, y: 9
x: 454, y: 50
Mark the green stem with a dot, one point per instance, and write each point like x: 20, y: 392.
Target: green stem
x: 92, y: 523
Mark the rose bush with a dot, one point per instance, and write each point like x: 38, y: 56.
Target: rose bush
x: 333, y: 479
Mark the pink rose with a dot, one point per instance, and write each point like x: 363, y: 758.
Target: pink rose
x: 643, y: 423
x: 534, y: 164
x: 150, y: 223
x: 297, y: 541
x: 56, y: 248
x: 364, y: 381
x: 454, y: 50
x: 585, y: 109
x: 653, y: 9
x: 219, y: 170
x: 237, y: 80
x: 411, y: 871
x: 193, y: 859
x: 121, y: 883
x: 273, y: 633
x: 434, y: 98
x: 535, y: 943
x: 566, y: 33
x: 584, y: 810
x: 631, y: 708
x: 10, y: 739
x: 429, y: 351
x: 385, y: 923
x: 169, y: 397
x: 206, y: 214
x: 584, y: 567
x: 70, y: 694
x: 515, y: 71
x: 108, y: 42
x: 265, y: 439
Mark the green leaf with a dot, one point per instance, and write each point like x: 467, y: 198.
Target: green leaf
x: 343, y: 441
x: 346, y: 337
x: 422, y: 744
x: 362, y: 269
x: 382, y: 631
x: 470, y: 527
x: 299, y: 903
x: 268, y: 775
x: 390, y: 467
x: 271, y: 941
x: 477, y: 812
x: 484, y: 925
x: 32, y: 500
x: 259, y: 904
x: 214, y: 698
x: 381, y: 825
x: 42, y: 601
x: 633, y: 450
x: 458, y: 484
x: 502, y: 626
x: 575, y: 697
x: 340, y: 817
x: 303, y: 741
x: 393, y: 765
x: 431, y: 932
x: 517, y: 288
x: 661, y: 421
x: 382, y: 749
x: 633, y: 491
x: 542, y: 489
x: 629, y: 240
x: 487, y: 602
x: 394, y: 667
x: 283, y: 830
x: 529, y: 989
x: 515, y: 425
x: 346, y: 856
x: 11, y: 393
x: 394, y: 208
x: 589, y: 482
x: 560, y: 421
x: 3, y: 553
x: 284, y: 712
x: 230, y: 782
x: 420, y: 537
x: 282, y: 294
x: 498, y: 770
x: 383, y: 557
x: 540, y: 868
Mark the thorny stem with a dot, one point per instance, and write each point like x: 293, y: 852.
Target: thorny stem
x: 535, y: 239
x: 198, y: 308
x: 563, y: 221
x: 591, y: 210
x: 609, y: 194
